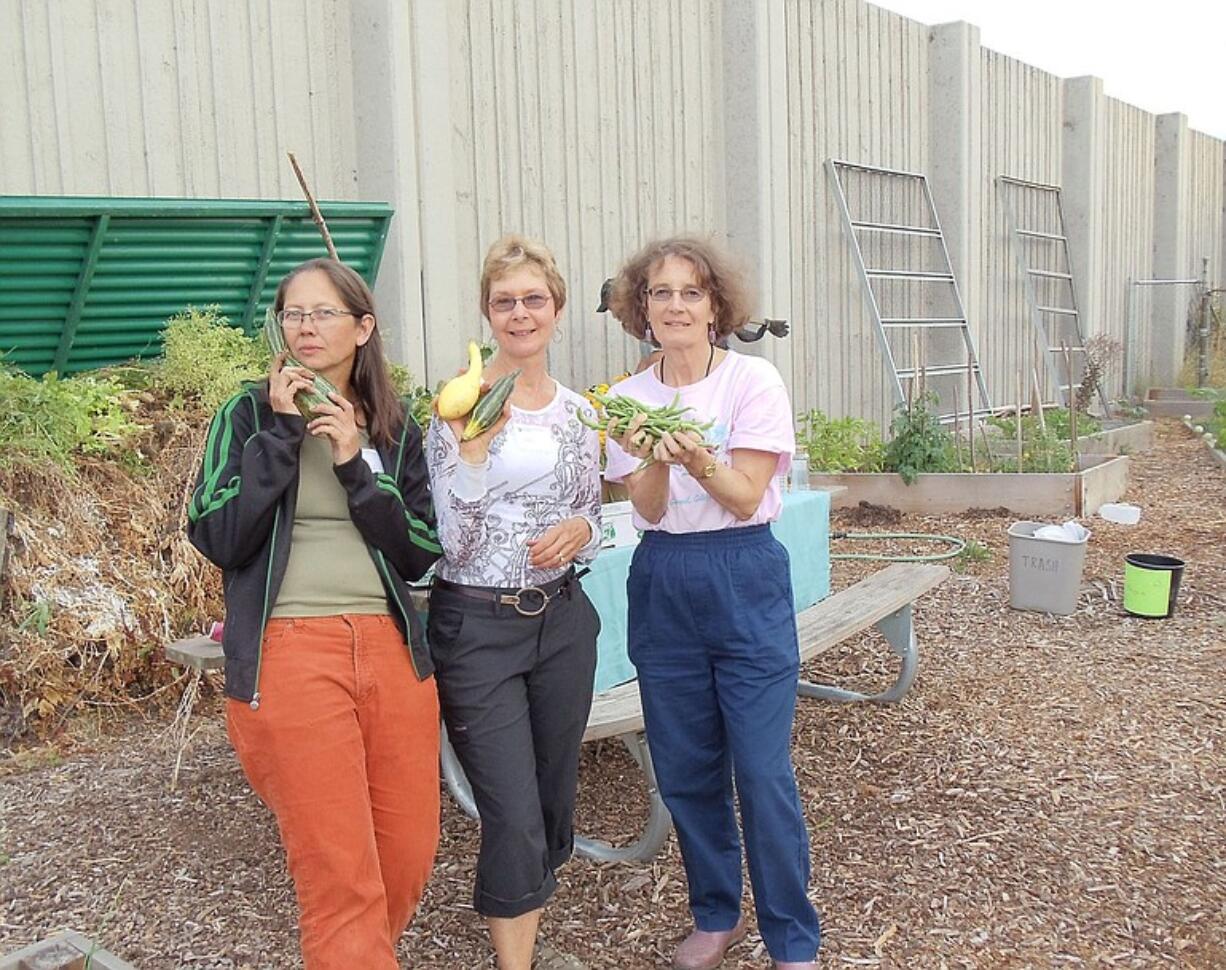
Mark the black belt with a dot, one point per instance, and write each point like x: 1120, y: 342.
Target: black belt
x: 527, y: 600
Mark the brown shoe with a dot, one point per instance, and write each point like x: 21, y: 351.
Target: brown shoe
x: 704, y: 950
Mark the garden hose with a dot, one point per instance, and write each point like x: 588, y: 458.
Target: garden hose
x: 957, y: 546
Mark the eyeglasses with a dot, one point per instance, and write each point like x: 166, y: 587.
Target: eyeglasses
x: 533, y: 301
x: 689, y: 294
x: 323, y: 315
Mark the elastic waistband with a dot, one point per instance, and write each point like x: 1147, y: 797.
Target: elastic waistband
x: 715, y: 539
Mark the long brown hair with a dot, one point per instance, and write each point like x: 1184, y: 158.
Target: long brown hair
x: 717, y: 273
x: 371, y: 383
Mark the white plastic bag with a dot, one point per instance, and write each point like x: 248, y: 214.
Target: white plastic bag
x: 1071, y: 531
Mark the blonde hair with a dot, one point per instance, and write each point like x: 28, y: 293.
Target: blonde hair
x: 512, y: 252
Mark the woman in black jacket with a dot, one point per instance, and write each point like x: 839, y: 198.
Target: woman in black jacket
x: 317, y: 525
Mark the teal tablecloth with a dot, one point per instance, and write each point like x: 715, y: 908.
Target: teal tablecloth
x: 803, y: 528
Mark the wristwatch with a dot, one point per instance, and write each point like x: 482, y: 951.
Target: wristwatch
x: 708, y: 471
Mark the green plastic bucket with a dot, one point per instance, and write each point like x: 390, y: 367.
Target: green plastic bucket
x: 1151, y: 584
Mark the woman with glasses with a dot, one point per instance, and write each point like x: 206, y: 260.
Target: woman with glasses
x: 511, y: 631
x: 712, y: 630
x: 317, y: 524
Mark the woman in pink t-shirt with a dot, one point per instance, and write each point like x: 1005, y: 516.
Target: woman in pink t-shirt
x: 712, y: 627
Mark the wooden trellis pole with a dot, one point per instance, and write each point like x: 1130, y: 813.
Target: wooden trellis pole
x: 315, y: 213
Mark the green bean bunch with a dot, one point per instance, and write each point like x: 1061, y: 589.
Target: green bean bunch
x: 620, y: 410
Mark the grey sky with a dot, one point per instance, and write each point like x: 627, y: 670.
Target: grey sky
x: 1162, y: 57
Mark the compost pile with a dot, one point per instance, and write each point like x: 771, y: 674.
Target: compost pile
x: 100, y: 574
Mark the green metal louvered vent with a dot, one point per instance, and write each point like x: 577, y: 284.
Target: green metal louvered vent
x: 86, y: 282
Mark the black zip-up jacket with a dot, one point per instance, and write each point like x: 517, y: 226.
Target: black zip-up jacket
x: 242, y: 513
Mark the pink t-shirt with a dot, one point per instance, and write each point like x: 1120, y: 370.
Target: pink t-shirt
x: 747, y: 399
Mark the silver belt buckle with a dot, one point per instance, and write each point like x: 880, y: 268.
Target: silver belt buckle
x: 515, y: 599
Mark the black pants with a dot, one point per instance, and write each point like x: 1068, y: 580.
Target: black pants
x: 515, y: 693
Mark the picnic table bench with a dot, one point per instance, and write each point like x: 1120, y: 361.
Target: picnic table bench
x: 882, y: 600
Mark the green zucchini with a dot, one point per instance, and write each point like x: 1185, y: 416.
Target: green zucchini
x: 489, y: 407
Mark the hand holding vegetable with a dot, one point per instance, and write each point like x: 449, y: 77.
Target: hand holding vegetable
x: 645, y: 426
x: 304, y: 397
x: 630, y: 437
x: 685, y: 448
x: 284, y: 382
x: 337, y: 421
x: 475, y: 448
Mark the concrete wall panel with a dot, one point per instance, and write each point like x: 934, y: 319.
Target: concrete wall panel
x: 184, y: 98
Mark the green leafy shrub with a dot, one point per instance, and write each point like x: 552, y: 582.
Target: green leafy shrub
x: 205, y: 359
x: 919, y: 442
x: 839, y: 445
x: 1216, y: 425
x: 1042, y: 451
x: 55, y: 419
x: 1056, y: 419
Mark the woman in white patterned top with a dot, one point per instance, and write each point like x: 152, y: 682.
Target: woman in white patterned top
x: 511, y: 632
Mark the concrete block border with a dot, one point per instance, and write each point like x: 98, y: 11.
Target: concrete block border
x: 1215, y: 447
x: 65, y: 950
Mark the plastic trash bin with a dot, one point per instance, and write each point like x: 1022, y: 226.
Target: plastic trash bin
x: 1044, y: 574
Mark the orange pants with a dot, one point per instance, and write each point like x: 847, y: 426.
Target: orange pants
x: 344, y: 750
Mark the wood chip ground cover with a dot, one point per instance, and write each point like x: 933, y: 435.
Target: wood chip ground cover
x: 1052, y: 793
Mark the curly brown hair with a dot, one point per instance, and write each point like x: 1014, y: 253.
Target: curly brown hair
x: 717, y: 273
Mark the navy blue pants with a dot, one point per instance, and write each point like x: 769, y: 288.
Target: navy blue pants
x: 713, y: 637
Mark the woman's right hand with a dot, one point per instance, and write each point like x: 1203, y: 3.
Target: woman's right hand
x: 284, y: 382
x: 477, y: 449
x: 632, y: 440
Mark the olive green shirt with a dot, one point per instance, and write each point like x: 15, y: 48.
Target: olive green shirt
x: 330, y: 569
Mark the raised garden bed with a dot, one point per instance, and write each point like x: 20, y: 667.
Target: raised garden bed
x: 1118, y: 439
x: 1175, y: 402
x: 63, y: 951
x: 1034, y: 494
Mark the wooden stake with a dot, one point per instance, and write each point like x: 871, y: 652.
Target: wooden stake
x: 1021, y: 390
x: 6, y: 526
x: 1036, y: 400
x: 1072, y: 402
x: 912, y: 386
x: 957, y: 429
x: 970, y: 408
x: 315, y: 213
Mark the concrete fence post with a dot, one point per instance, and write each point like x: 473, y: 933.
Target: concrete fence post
x: 1172, y: 259
x: 386, y: 129
x: 1082, y: 196
x: 954, y: 170
x: 756, y: 163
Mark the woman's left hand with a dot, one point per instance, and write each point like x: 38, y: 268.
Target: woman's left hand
x: 683, y: 449
x: 558, y: 545
x: 338, y: 423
